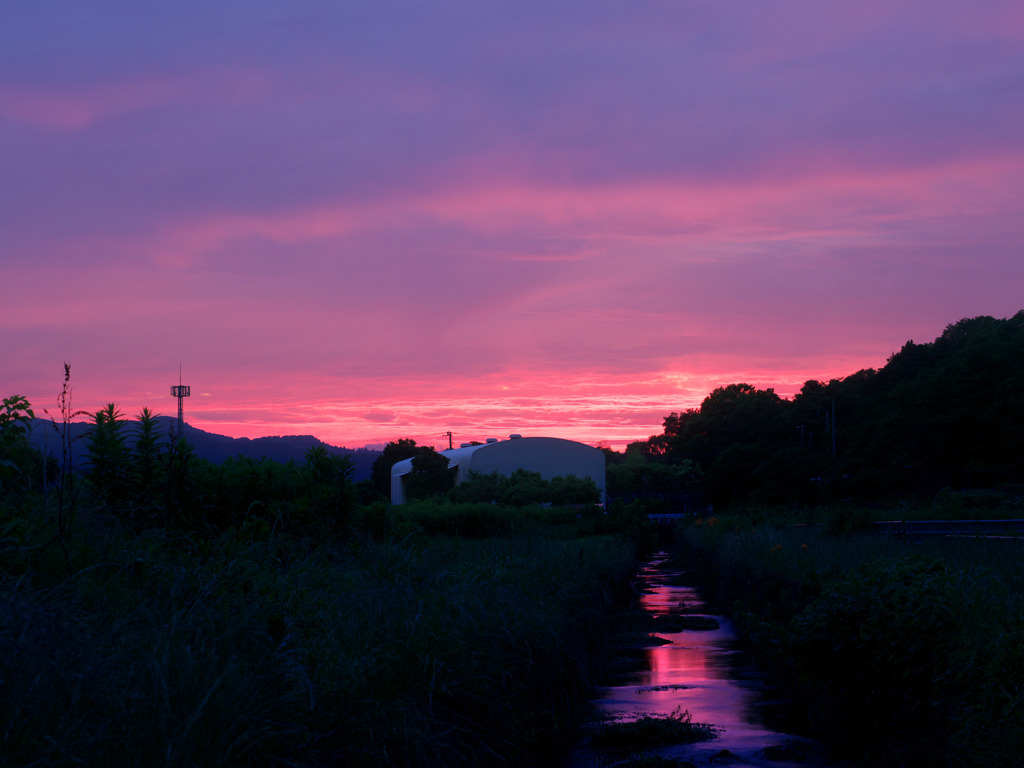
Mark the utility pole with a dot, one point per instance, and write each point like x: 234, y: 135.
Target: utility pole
x: 449, y: 436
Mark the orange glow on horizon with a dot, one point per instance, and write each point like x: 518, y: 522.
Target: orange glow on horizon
x: 600, y: 411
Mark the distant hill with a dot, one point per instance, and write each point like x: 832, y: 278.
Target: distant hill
x: 210, y: 446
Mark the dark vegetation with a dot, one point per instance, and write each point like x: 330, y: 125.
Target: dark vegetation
x: 622, y: 739
x: 159, y: 608
x: 212, y: 447
x: 949, y: 413
x: 892, y: 652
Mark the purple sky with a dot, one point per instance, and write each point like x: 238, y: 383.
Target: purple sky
x: 368, y: 221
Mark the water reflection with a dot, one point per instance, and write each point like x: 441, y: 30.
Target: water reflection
x: 695, y: 671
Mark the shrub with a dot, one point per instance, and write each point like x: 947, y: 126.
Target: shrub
x: 898, y: 654
x: 524, y: 488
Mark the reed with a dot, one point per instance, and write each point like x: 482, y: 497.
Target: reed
x: 171, y: 648
x: 631, y: 737
x: 900, y: 653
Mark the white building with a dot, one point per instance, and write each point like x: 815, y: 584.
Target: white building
x: 549, y: 456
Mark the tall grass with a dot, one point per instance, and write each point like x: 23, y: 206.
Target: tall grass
x: 251, y: 647
x: 900, y: 653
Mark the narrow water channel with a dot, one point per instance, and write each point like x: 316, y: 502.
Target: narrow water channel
x: 696, y: 671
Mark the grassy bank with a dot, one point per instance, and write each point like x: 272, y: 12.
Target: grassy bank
x: 897, y: 653
x: 376, y: 645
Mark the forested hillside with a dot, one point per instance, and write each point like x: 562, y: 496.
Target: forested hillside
x: 945, y: 413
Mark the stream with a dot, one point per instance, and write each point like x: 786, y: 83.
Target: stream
x: 700, y: 672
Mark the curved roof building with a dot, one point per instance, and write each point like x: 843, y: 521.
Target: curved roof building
x: 550, y: 456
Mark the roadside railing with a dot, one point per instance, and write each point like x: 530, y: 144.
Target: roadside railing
x: 990, y: 529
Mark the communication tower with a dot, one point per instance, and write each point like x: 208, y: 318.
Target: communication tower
x: 181, y: 391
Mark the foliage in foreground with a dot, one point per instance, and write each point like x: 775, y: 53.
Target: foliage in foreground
x: 650, y: 732
x: 901, y: 654
x: 230, y: 650
x: 157, y: 610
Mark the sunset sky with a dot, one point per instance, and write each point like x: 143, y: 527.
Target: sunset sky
x: 377, y: 220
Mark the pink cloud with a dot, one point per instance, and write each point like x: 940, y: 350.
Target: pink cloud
x: 73, y: 108
x: 367, y: 225
x: 579, y: 222
x: 68, y: 110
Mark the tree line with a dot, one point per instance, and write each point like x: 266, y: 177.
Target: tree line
x: 148, y: 477
x: 138, y: 471
x: 947, y: 413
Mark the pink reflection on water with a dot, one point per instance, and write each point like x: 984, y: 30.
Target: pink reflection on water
x: 694, y: 672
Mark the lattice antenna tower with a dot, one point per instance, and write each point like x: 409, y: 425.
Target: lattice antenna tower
x: 181, y: 392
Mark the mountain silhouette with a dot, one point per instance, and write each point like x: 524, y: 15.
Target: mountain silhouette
x: 206, y: 445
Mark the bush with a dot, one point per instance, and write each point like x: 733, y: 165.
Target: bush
x: 524, y: 488
x: 898, y: 654
x: 881, y: 646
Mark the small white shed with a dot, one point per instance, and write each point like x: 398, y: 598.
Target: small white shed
x: 549, y: 456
